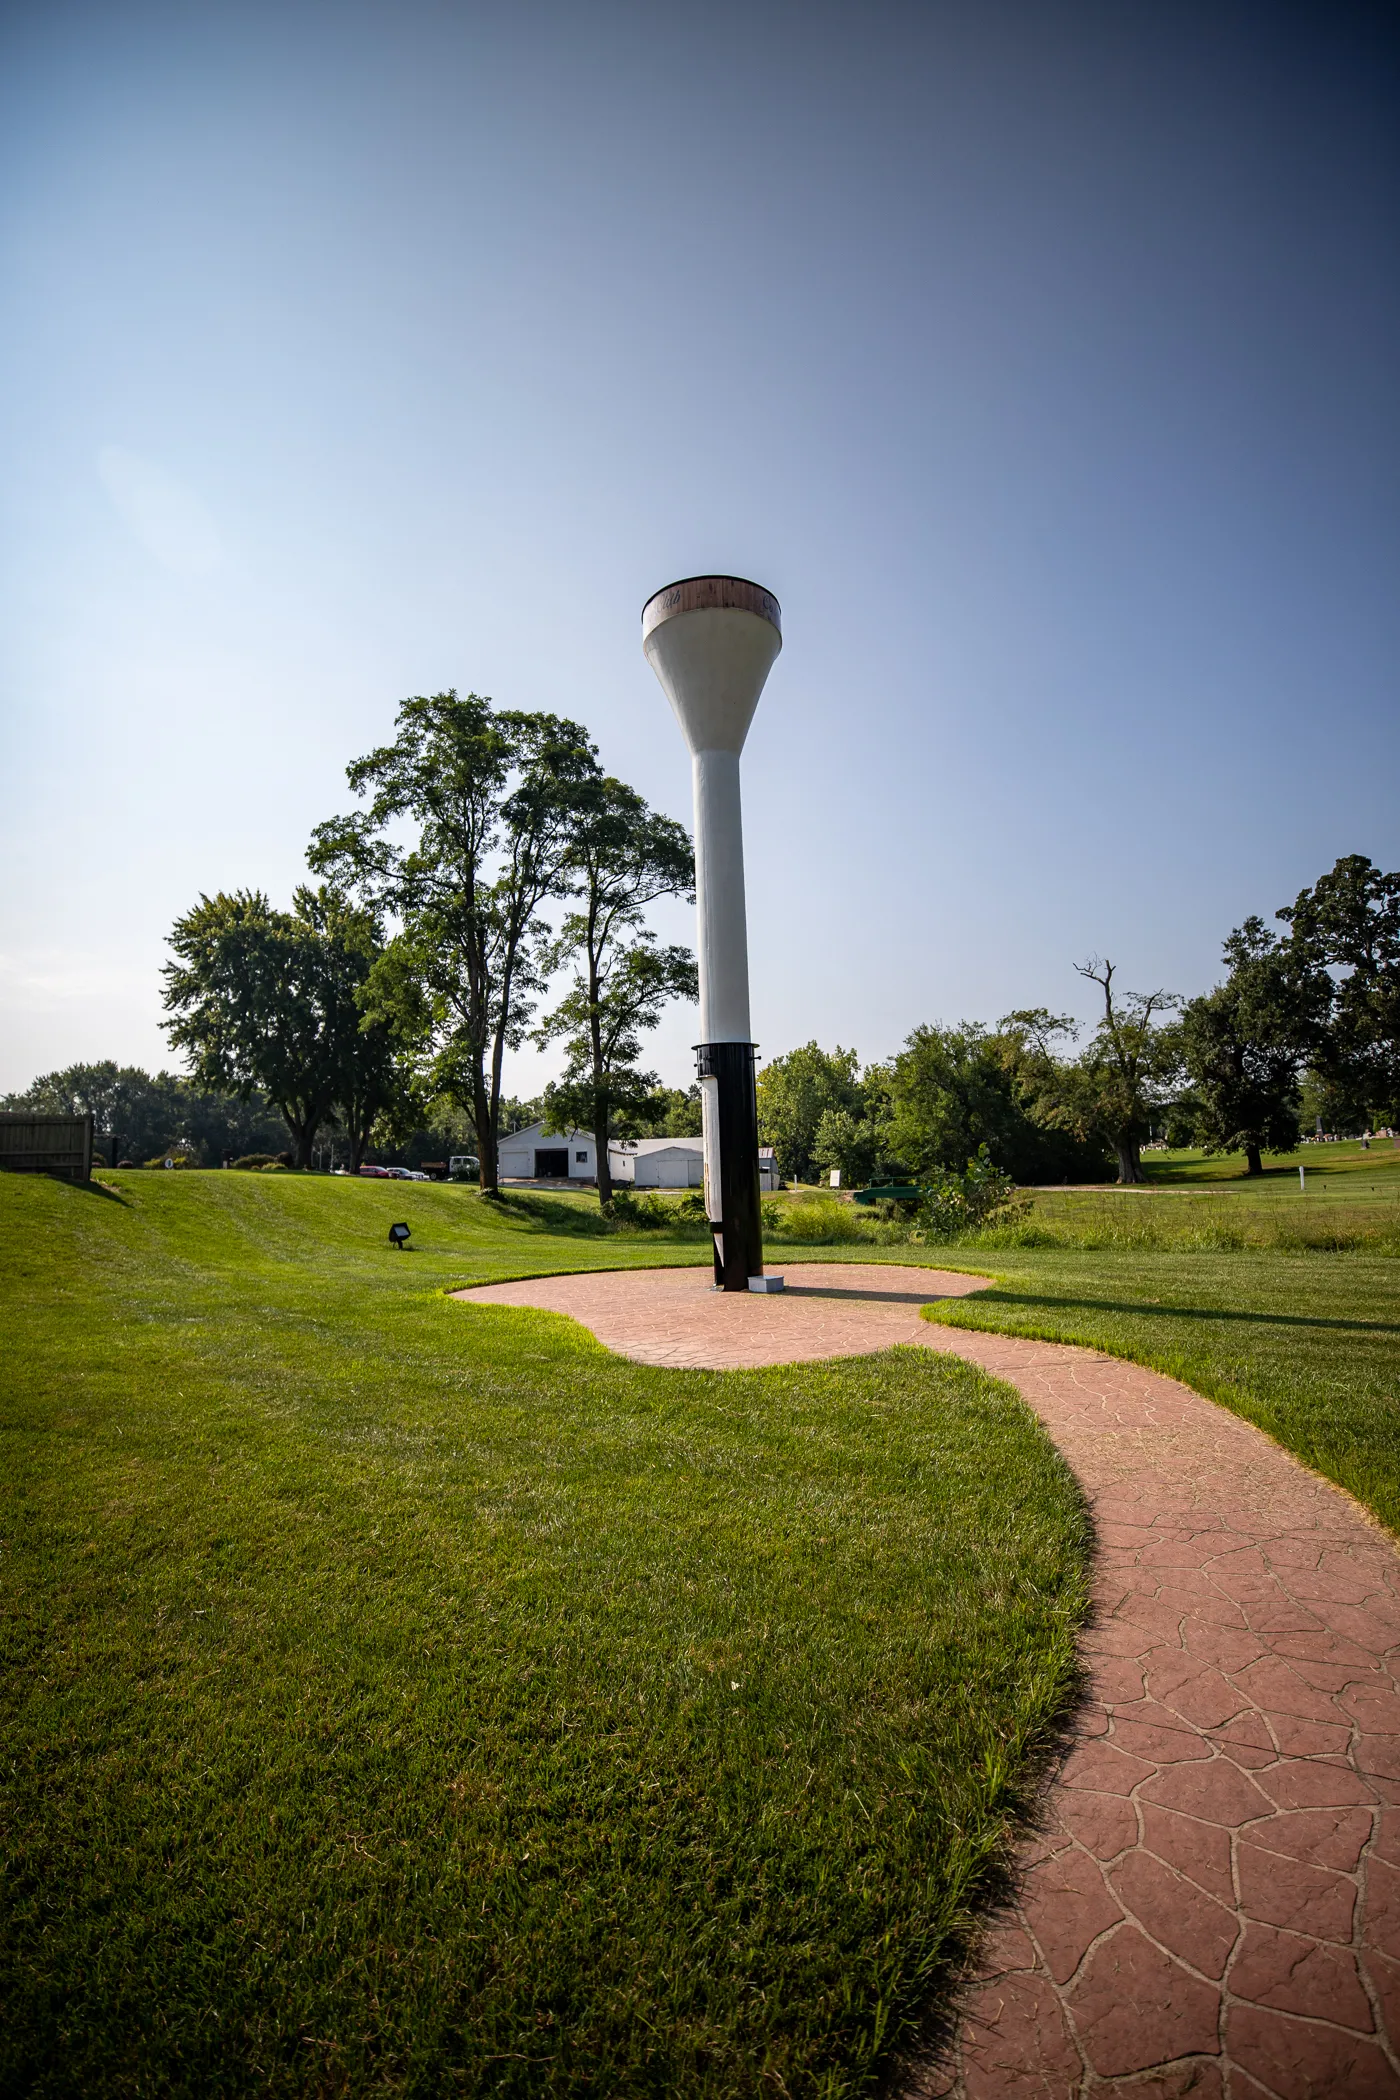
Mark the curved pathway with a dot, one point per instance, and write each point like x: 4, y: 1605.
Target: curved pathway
x: 1211, y: 1905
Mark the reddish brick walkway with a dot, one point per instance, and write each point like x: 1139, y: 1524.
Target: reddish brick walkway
x: 1212, y: 1904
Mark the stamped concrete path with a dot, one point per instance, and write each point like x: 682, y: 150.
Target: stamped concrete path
x: 1211, y: 1905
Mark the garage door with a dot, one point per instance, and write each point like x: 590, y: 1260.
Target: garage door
x: 552, y: 1166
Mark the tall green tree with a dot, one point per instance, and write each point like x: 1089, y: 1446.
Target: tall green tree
x: 1348, y: 925
x: 214, y: 1125
x: 491, y: 798
x: 1110, y: 1092
x: 375, y: 1092
x: 952, y: 1091
x: 517, y: 1113
x: 667, y: 1111
x: 795, y: 1091
x: 622, y: 858
x: 1244, y: 1045
x: 850, y: 1142
x: 266, y: 1001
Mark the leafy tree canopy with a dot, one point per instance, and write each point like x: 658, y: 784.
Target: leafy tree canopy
x: 266, y: 1001
x: 138, y: 1115
x: 491, y: 798
x: 622, y: 857
x: 1348, y: 925
x: 952, y: 1091
x: 795, y: 1092
x: 1110, y: 1093
x: 1244, y: 1044
x: 667, y: 1111
x: 518, y: 1114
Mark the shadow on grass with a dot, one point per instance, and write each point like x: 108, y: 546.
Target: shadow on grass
x: 1025, y: 1301
x: 101, y: 1188
x: 553, y: 1216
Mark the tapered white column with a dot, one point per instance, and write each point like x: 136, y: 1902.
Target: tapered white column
x: 712, y: 641
x: 721, y: 923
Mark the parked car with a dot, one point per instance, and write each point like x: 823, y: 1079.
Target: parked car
x: 463, y: 1166
x: 378, y: 1173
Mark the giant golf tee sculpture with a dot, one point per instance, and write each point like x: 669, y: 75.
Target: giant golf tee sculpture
x: 711, y: 641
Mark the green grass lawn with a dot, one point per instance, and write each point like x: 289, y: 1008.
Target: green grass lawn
x: 404, y: 1697
x: 1349, y: 1198
x: 1344, y: 1172
x: 1305, y: 1344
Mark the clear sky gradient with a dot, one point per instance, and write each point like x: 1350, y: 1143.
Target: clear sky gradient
x: 1044, y: 359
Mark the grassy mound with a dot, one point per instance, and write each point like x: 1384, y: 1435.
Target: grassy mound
x: 405, y: 1697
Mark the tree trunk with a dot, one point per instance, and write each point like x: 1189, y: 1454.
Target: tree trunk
x: 488, y: 1124
x: 602, y: 1116
x: 602, y: 1106
x: 489, y: 1177
x: 303, y: 1134
x: 1253, y: 1163
x: 1129, y: 1161
x: 488, y: 1173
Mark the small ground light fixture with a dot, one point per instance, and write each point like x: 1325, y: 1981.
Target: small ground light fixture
x: 398, y: 1235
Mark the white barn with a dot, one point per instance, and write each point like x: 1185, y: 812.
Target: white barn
x: 674, y: 1163
x: 658, y: 1163
x: 537, y: 1153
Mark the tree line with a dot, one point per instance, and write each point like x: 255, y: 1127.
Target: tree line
x: 418, y: 955
x: 144, y: 1115
x: 1304, y: 1025
x: 492, y: 857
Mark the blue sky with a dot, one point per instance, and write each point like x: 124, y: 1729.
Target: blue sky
x: 1044, y: 359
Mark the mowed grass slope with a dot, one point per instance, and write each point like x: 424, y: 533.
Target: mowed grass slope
x: 405, y: 1697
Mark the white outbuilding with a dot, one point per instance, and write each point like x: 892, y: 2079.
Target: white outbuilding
x: 658, y: 1163
x: 537, y: 1153
x: 675, y: 1163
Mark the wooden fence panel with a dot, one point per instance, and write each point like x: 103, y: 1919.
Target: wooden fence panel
x: 35, y: 1144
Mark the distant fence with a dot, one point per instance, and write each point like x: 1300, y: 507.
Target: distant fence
x: 31, y: 1144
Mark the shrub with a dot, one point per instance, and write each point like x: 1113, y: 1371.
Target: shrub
x: 256, y: 1159
x: 981, y: 1196
x: 819, y: 1221
x: 176, y: 1159
x: 651, y: 1213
